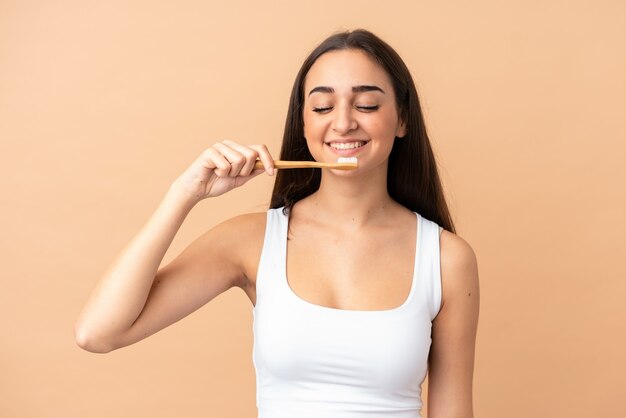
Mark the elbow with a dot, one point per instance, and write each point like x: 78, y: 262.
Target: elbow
x: 86, y: 340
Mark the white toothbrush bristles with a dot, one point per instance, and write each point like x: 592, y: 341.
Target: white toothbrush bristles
x: 347, y: 160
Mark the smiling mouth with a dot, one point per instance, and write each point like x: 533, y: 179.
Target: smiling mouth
x: 346, y: 145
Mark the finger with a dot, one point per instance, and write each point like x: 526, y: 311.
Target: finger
x: 235, y: 158
x: 249, y: 153
x: 265, y: 157
x: 242, y: 180
x: 217, y: 162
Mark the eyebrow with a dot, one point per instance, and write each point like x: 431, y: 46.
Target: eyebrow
x: 355, y: 89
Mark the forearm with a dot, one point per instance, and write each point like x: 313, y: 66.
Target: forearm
x: 121, y: 293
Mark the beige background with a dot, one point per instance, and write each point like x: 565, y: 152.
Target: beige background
x: 103, y: 104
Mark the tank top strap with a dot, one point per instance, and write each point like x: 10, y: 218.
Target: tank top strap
x: 429, y: 265
x: 271, y: 262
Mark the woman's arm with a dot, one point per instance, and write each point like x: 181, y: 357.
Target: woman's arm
x: 451, y: 360
x: 120, y: 296
x: 134, y: 298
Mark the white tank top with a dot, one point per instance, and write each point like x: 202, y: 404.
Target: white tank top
x: 313, y: 361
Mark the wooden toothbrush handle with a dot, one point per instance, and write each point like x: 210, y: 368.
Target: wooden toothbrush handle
x: 289, y: 164
x: 305, y: 164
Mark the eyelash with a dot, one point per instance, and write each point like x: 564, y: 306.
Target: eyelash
x: 366, y: 108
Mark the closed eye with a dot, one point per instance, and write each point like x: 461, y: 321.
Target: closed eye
x: 321, y: 109
x: 368, y: 108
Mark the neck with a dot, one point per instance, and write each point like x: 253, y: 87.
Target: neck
x: 352, y: 201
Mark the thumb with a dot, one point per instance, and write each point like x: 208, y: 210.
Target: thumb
x: 243, y: 180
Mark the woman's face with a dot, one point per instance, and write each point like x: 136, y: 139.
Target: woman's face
x: 350, y: 110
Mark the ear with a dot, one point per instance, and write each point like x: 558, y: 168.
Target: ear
x: 401, y: 129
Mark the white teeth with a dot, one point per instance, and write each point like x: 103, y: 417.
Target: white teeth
x: 346, y: 145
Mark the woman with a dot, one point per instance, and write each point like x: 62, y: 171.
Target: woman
x: 377, y: 288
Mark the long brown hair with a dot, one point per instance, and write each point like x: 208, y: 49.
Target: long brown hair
x: 412, y: 176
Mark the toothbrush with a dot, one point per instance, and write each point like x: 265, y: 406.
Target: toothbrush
x: 342, y: 163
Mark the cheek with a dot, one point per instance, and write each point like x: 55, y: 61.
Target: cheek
x: 312, y: 135
x: 307, y: 126
x: 383, y: 128
x: 312, y: 129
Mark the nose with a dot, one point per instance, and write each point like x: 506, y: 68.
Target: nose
x: 344, y: 120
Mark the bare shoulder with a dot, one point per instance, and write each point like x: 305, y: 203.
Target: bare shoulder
x: 459, y: 267
x: 455, y: 249
x: 242, y: 238
x: 224, y: 252
x: 240, y: 232
x: 247, y: 223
